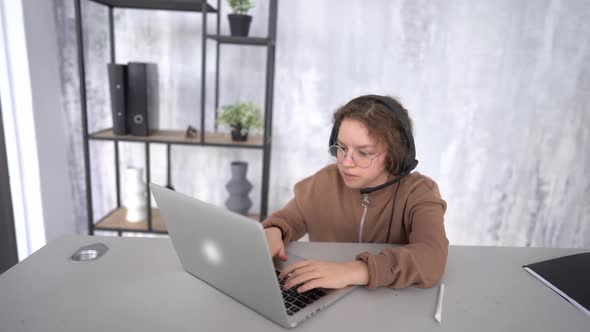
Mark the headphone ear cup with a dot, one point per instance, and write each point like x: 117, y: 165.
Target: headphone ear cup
x: 411, y: 165
x: 333, y: 136
x: 408, y: 165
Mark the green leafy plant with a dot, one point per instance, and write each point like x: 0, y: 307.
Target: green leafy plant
x: 241, y: 6
x: 244, y: 115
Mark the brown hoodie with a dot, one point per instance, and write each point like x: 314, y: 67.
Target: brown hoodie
x: 331, y: 212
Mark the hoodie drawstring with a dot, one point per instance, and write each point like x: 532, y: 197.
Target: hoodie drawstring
x: 365, y: 204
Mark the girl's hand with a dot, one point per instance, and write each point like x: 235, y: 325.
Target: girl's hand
x: 311, y: 274
x: 274, y: 239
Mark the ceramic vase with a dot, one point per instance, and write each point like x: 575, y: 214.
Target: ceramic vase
x: 239, y: 187
x: 135, y: 195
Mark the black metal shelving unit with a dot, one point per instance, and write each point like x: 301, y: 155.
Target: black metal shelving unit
x: 114, y: 220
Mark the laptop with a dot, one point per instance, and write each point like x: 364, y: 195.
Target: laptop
x: 229, y: 252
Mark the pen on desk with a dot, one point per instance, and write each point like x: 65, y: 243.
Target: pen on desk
x: 439, y: 302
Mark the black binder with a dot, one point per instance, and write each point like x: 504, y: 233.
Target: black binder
x: 568, y: 276
x: 137, y: 104
x: 117, y: 84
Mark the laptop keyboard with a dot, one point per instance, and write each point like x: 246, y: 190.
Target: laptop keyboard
x: 295, y: 301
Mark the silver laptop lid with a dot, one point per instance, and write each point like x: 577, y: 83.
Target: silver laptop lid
x: 226, y: 250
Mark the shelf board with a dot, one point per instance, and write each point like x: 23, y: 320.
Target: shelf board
x: 116, y: 221
x: 178, y: 137
x: 224, y: 139
x: 158, y: 136
x: 256, y: 41
x: 181, y: 5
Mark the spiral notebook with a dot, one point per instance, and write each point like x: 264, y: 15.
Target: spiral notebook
x: 568, y: 276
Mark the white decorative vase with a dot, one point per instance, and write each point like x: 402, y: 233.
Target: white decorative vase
x: 135, y: 195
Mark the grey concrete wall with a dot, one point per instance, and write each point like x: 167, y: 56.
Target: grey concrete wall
x: 498, y: 91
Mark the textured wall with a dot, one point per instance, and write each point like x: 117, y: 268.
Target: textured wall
x: 499, y: 92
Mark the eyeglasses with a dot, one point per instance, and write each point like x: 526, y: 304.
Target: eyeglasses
x: 361, y: 159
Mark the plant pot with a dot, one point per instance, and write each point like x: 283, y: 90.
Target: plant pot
x: 239, y: 134
x: 239, y: 24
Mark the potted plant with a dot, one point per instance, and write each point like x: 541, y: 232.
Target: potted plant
x: 241, y: 118
x: 239, y: 21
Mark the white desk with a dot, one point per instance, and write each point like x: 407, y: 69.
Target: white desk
x: 139, y: 285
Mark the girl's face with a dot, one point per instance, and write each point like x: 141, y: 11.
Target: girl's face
x: 358, y: 150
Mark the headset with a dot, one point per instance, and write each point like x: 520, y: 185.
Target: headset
x: 408, y: 164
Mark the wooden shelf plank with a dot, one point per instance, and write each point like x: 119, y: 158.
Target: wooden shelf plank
x: 254, y: 41
x: 161, y: 136
x: 116, y: 221
x: 178, y: 137
x: 225, y: 139
x: 181, y: 5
